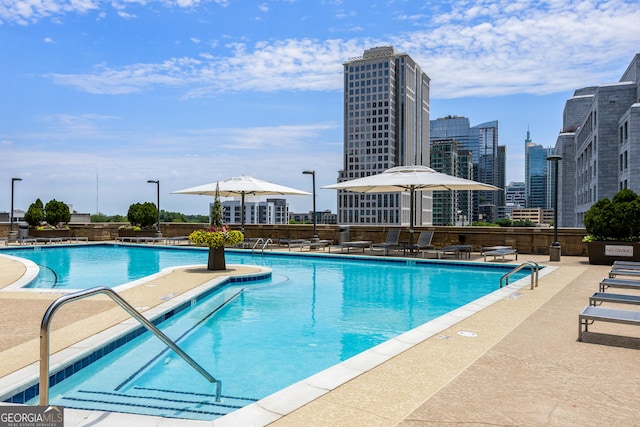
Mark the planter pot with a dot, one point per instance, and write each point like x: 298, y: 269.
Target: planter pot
x: 216, y: 259
x: 133, y: 233
x: 49, y: 233
x: 605, y: 252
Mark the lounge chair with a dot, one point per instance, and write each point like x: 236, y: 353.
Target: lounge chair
x: 501, y: 252
x: 619, y: 283
x: 626, y: 265
x: 393, y: 235
x: 356, y: 244
x: 597, y: 298
x: 459, y: 251
x: 590, y: 314
x: 424, y: 241
x: 615, y: 272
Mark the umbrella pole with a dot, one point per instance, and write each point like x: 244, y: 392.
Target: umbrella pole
x: 412, y: 208
x: 242, y: 212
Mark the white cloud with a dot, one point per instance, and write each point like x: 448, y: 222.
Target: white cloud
x: 481, y: 48
x: 48, y: 40
x: 264, y: 7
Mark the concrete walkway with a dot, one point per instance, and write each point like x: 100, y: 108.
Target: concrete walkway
x: 517, y: 362
x: 521, y: 366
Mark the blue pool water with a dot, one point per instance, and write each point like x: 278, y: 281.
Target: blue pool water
x: 312, y: 313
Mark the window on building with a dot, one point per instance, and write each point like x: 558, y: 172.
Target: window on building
x: 626, y: 160
x: 626, y: 130
x: 621, y: 162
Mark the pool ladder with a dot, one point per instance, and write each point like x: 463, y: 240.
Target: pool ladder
x: 45, y: 332
x: 265, y: 243
x: 534, y: 272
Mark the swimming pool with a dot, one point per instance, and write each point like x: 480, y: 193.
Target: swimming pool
x: 322, y: 310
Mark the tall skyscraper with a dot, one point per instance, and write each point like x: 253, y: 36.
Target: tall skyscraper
x: 386, y: 124
x: 537, y: 174
x: 451, y: 207
x: 482, y: 141
x: 600, y: 145
x: 444, y: 159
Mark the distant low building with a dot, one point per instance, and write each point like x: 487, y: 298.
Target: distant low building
x: 537, y: 215
x: 322, y: 217
x: 18, y: 215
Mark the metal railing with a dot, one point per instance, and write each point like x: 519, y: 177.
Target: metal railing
x: 265, y: 243
x: 45, y: 327
x: 534, y: 272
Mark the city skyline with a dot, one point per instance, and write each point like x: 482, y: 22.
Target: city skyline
x: 98, y: 98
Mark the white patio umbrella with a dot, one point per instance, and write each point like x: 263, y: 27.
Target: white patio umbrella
x: 411, y: 179
x: 241, y: 186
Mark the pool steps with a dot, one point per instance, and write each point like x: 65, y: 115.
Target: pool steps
x: 168, y: 403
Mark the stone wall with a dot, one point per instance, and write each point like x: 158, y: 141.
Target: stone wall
x: 528, y: 240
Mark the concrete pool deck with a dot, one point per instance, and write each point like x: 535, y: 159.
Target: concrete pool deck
x: 516, y: 362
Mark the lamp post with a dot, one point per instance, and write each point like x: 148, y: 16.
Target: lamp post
x: 157, y: 182
x: 313, y: 175
x: 12, y: 234
x: 554, y: 250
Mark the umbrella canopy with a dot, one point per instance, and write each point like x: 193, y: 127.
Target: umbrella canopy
x: 411, y: 179
x: 407, y: 178
x: 242, y: 186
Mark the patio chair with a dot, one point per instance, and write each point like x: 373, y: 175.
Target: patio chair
x: 393, y: 235
x: 424, y: 241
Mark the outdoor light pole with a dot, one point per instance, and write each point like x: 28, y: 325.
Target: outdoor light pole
x: 554, y: 250
x: 313, y: 175
x: 12, y: 234
x: 157, y: 182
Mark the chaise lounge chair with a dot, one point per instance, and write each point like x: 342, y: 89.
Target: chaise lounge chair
x: 590, y: 314
x: 619, y: 283
x: 424, y: 241
x: 393, y: 235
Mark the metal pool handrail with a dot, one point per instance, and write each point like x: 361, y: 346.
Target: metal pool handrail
x: 45, y: 329
x: 534, y: 271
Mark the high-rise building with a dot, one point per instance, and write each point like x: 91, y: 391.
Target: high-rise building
x: 599, y: 144
x: 482, y: 141
x: 451, y: 207
x: 444, y: 159
x: 386, y: 124
x: 537, y: 174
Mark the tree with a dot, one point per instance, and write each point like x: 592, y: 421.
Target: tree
x: 504, y: 222
x: 35, y: 214
x: 216, y: 211
x: 616, y: 219
x: 143, y: 214
x: 56, y: 212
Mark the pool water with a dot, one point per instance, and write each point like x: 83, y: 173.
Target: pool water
x: 313, y: 313
x: 84, y: 267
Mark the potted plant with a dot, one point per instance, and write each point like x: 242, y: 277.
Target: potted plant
x: 216, y: 237
x: 613, y: 228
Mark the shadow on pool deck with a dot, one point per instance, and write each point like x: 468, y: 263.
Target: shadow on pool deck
x: 522, y: 366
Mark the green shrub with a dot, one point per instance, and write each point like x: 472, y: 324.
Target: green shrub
x: 56, y: 212
x: 35, y: 214
x: 616, y: 219
x: 143, y: 214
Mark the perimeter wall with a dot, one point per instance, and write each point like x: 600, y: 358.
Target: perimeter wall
x: 528, y: 240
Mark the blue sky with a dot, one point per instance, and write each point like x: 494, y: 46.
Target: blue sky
x: 97, y: 97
